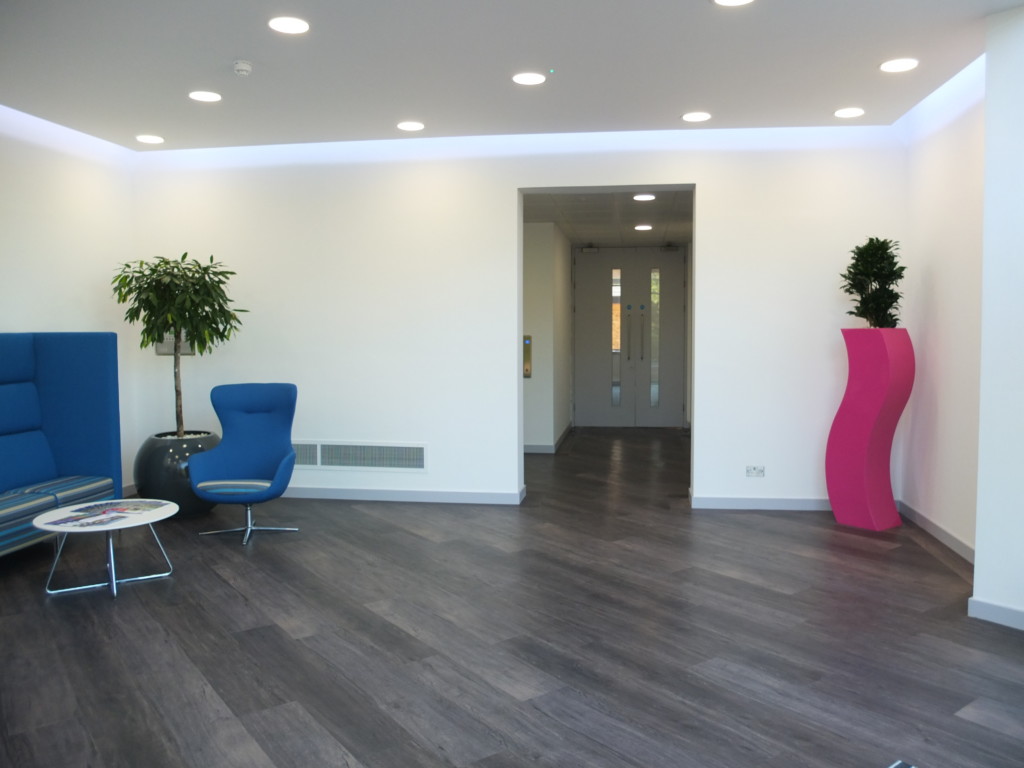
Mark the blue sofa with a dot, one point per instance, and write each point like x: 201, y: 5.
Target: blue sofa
x: 60, y: 431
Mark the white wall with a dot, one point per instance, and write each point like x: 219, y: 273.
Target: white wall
x: 772, y: 233
x: 64, y: 227
x: 63, y: 219
x: 999, y: 566
x: 384, y: 279
x: 943, y: 258
x: 547, y: 305
x: 387, y: 292
x: 563, y: 338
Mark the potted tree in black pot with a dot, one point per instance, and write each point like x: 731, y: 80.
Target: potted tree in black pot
x: 881, y: 375
x: 182, y: 302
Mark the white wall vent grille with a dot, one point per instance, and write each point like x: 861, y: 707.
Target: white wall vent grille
x: 347, y: 456
x: 305, y: 454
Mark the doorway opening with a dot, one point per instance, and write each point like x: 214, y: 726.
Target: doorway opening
x: 608, y: 308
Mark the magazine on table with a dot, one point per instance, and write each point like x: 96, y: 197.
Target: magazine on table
x: 105, y: 512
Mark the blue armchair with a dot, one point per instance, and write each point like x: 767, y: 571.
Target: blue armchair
x: 254, y: 460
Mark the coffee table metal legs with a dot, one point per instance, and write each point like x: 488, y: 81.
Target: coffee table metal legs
x: 112, y: 580
x: 111, y: 564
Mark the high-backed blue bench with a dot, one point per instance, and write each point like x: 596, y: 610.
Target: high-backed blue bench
x: 60, y: 433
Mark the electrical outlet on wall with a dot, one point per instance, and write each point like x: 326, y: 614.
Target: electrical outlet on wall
x: 755, y: 471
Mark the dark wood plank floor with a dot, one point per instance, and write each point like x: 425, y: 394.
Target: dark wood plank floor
x: 601, y: 624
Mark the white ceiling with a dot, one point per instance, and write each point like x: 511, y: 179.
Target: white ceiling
x: 117, y: 68
x: 606, y: 216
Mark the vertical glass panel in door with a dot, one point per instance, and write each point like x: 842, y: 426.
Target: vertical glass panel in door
x: 616, y: 316
x: 655, y: 336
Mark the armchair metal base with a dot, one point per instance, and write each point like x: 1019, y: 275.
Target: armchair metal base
x: 248, y: 528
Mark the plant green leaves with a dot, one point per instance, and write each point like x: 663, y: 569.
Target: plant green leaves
x: 178, y: 296
x: 183, y: 300
x: 872, y: 277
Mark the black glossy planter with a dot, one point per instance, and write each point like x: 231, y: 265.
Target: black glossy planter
x: 161, y: 469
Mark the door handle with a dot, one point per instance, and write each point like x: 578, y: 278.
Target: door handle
x: 629, y: 336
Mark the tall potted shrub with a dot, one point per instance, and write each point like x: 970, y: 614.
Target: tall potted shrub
x: 881, y: 375
x: 183, y: 301
x: 872, y: 277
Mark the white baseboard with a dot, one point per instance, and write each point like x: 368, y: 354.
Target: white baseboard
x: 549, y: 448
x: 997, y: 614
x: 822, y: 505
x: 363, y: 494
x: 936, y: 531
x: 745, y: 502
x: 373, y: 494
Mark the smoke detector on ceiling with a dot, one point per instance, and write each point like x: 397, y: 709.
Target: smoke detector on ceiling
x: 243, y: 68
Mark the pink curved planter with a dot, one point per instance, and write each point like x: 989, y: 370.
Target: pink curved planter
x: 860, y: 441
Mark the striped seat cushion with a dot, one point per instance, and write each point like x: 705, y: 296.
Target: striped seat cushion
x: 14, y: 506
x: 17, y: 511
x: 228, y: 487
x: 72, y: 489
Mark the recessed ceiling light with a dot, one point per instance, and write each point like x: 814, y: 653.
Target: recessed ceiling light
x: 643, y: 198
x: 148, y: 138
x: 207, y: 96
x: 642, y: 227
x: 847, y: 112
x: 899, y: 65
x: 529, y: 78
x: 696, y: 117
x: 411, y: 125
x: 289, y: 25
x: 732, y: 3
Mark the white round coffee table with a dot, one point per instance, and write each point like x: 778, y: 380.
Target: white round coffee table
x: 105, y: 517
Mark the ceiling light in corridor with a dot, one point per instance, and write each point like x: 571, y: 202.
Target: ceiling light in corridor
x: 529, y: 78
x: 696, y: 117
x: 206, y: 96
x: 289, y: 25
x: 847, y: 113
x: 899, y: 65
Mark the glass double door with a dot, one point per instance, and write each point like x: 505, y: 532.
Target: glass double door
x: 629, y: 338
